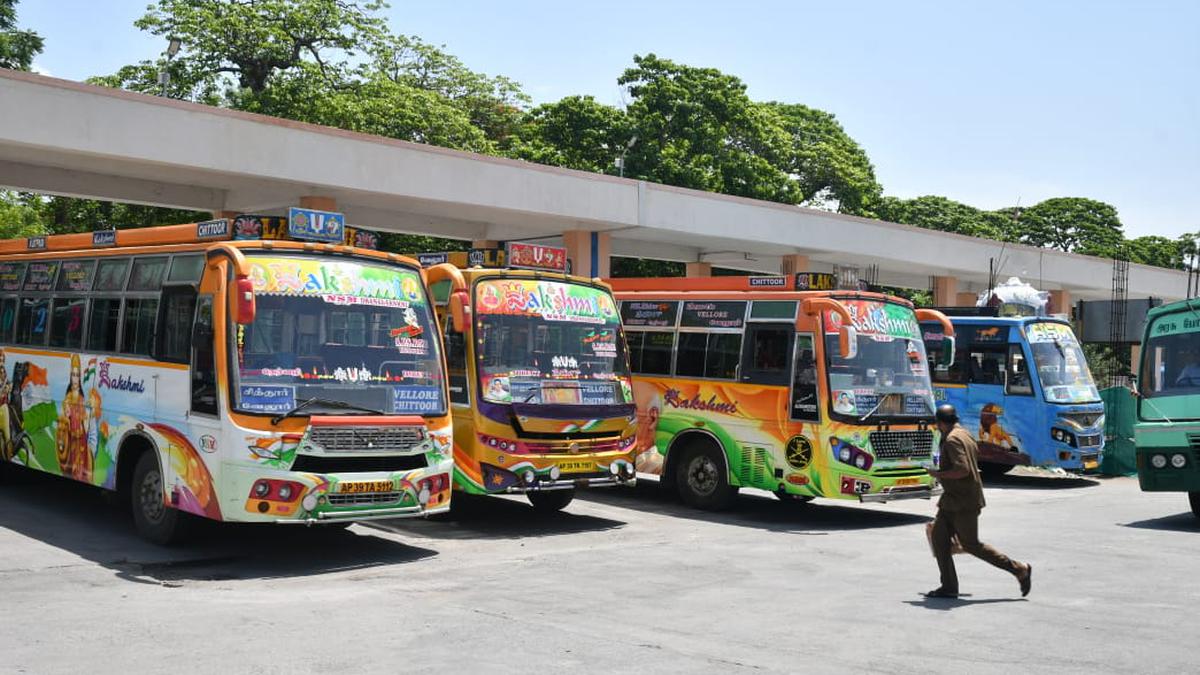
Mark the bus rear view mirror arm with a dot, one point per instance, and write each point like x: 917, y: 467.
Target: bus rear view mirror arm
x: 244, y: 304
x: 948, y: 339
x: 847, y: 335
x: 460, y: 301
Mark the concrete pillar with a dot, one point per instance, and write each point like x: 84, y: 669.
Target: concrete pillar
x: 1060, y: 302
x: 485, y: 243
x: 793, y: 263
x: 589, y: 252
x: 217, y: 215
x: 318, y: 203
x: 945, y: 291
x: 698, y: 269
x: 966, y: 300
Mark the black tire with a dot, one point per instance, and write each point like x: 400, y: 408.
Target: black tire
x: 549, y: 501
x: 155, y: 520
x: 993, y: 470
x: 701, y: 479
x: 1194, y: 498
x: 789, y: 498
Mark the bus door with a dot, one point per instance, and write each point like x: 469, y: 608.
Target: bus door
x: 767, y: 362
x: 999, y: 394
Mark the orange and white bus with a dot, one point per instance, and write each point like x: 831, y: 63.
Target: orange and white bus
x: 762, y: 382
x: 539, y: 377
x: 222, y: 370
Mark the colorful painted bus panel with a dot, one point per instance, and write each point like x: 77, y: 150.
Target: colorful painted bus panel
x: 540, y: 386
x: 802, y: 393
x: 1023, y: 388
x: 1167, y: 432
x: 199, y: 375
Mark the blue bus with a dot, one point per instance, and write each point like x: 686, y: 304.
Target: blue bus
x: 1022, y: 387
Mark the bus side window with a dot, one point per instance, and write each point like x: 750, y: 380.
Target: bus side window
x: 175, y: 323
x: 986, y: 365
x: 103, y: 321
x: 724, y: 353
x: 8, y: 318
x: 66, y: 323
x: 32, y: 321
x: 650, y: 351
x: 804, y: 381
x: 138, y: 325
x: 767, y: 354
x: 456, y: 363
x: 204, y: 371
x: 1018, y: 372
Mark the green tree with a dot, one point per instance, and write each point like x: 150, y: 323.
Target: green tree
x: 1155, y: 250
x: 60, y: 215
x: 1073, y: 224
x: 829, y: 165
x: 939, y: 213
x: 19, y: 216
x: 18, y: 48
x: 575, y: 132
x: 697, y: 128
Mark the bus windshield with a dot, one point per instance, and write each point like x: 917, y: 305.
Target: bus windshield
x: 1060, y: 363
x: 354, y: 332
x: 889, y: 377
x: 549, y: 342
x: 1171, y: 365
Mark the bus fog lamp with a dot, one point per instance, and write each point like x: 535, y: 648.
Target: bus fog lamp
x: 1178, y: 461
x: 555, y: 472
x: 1158, y: 461
x: 530, y: 477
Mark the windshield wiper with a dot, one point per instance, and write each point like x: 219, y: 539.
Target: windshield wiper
x: 330, y: 403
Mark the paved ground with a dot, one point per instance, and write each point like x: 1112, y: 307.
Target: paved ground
x: 627, y: 581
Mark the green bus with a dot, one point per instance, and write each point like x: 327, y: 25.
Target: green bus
x: 1167, y: 433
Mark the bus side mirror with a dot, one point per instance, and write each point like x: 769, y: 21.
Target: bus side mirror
x: 460, y: 311
x: 245, y: 307
x: 848, y: 341
x: 948, y: 349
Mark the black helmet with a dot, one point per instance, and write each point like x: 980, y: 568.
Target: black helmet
x: 946, y: 414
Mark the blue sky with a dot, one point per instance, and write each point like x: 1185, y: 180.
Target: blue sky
x: 986, y: 103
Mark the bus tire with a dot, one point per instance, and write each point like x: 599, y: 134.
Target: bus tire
x: 549, y: 501
x: 154, y: 520
x: 994, y: 470
x: 702, y: 480
x: 1194, y: 498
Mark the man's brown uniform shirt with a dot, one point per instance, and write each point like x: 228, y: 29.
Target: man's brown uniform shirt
x: 958, y: 451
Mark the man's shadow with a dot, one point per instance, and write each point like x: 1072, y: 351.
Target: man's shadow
x: 947, y: 604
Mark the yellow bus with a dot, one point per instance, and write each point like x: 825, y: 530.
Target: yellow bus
x: 539, y: 378
x: 223, y: 370
x: 764, y: 382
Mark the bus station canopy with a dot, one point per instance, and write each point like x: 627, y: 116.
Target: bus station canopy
x: 66, y: 138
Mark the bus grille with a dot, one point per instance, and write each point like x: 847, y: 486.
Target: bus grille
x: 367, y: 439
x: 902, y: 444
x: 1194, y: 441
x: 314, y: 464
x: 1083, y: 419
x: 363, y: 498
x: 1088, y: 441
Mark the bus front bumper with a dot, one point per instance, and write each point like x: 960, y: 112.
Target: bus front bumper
x: 365, y: 514
x: 897, y: 493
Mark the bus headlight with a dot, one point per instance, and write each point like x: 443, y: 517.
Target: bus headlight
x: 1158, y: 461
x: 285, y: 492
x: 1178, y: 461
x: 529, y: 477
x: 555, y: 472
x: 1063, y: 436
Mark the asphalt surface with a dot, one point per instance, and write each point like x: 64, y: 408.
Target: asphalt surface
x: 627, y: 581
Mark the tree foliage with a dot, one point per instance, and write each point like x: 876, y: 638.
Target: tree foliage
x: 1073, y: 224
x: 18, y: 47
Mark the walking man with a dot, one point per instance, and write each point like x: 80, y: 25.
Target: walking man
x: 959, y: 507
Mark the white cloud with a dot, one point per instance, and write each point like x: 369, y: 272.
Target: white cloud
x: 41, y: 70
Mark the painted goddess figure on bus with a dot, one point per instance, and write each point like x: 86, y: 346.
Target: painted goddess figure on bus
x: 6, y: 449
x: 73, y: 454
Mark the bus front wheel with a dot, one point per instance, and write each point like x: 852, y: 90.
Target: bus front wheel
x: 550, y: 500
x: 154, y: 520
x: 1194, y: 498
x: 702, y: 480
